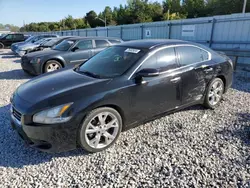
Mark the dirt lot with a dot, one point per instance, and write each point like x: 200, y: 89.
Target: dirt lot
x: 195, y: 147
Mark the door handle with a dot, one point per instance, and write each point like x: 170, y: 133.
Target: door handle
x: 175, y: 80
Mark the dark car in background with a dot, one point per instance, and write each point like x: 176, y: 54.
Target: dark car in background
x: 8, y: 39
x: 118, y: 88
x: 70, y: 51
x: 48, y: 45
x: 31, y: 39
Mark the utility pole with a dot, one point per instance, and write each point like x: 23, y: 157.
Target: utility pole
x: 104, y: 21
x: 244, y: 7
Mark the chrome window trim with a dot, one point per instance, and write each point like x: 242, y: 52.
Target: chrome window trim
x: 171, y: 46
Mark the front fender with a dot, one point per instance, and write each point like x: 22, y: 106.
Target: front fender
x: 57, y: 58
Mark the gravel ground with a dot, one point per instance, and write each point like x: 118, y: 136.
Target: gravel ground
x: 195, y: 147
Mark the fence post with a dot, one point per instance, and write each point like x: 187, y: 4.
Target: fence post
x: 96, y: 32
x: 212, y: 33
x: 86, y: 32
x: 107, y: 32
x: 121, y: 32
x: 169, y: 30
x: 141, y: 31
x: 78, y: 31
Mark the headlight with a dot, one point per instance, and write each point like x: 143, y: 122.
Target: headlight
x: 35, y: 60
x: 53, y: 115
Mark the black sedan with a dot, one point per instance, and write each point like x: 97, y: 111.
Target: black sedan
x: 70, y: 51
x: 118, y: 88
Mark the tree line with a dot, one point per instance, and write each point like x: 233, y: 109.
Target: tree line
x: 10, y: 27
x: 140, y: 11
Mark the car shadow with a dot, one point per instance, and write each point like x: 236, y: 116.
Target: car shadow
x: 6, y: 53
x: 14, y: 75
x: 9, y: 56
x: 15, y: 154
x: 17, y: 61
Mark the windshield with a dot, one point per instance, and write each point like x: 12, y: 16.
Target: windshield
x: 40, y: 41
x: 112, y: 62
x: 52, y: 42
x: 29, y: 39
x: 3, y: 35
x: 64, y: 45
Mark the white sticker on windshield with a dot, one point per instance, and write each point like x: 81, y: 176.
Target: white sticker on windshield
x: 131, y: 50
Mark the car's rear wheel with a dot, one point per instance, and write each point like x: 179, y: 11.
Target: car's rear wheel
x: 214, y: 93
x: 1, y: 45
x: 100, y: 129
x: 52, y: 65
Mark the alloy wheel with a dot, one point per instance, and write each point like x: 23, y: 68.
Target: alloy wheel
x: 102, y: 130
x: 52, y: 67
x: 215, y: 93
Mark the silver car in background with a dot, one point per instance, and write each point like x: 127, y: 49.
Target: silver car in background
x: 23, y: 49
x: 31, y: 39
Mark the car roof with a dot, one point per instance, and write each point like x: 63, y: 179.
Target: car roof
x: 93, y: 37
x: 152, y: 43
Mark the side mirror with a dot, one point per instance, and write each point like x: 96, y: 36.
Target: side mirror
x: 148, y: 73
x: 74, y: 49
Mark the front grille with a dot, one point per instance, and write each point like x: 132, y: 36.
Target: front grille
x: 24, y: 59
x: 16, y: 114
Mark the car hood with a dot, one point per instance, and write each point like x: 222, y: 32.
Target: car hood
x: 27, y: 46
x: 42, y: 53
x: 57, y: 85
x: 19, y: 43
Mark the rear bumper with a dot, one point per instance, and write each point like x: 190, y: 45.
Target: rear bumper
x: 48, y: 138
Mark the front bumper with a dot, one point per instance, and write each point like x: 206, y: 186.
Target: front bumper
x: 48, y: 138
x: 20, y: 52
x: 13, y: 48
x: 32, y: 68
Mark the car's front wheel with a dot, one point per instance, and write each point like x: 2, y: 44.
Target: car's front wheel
x: 214, y: 93
x: 1, y: 45
x: 52, y: 65
x: 100, y: 129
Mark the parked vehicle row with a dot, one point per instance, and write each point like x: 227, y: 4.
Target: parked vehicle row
x: 8, y: 39
x: 20, y: 48
x: 111, y: 89
x: 71, y: 51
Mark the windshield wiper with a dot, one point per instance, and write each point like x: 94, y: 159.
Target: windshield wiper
x: 91, y: 74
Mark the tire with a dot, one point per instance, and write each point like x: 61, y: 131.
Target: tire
x: 1, y: 45
x: 214, y: 93
x: 96, y: 136
x: 52, y: 65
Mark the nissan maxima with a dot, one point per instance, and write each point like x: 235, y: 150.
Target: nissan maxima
x: 124, y: 85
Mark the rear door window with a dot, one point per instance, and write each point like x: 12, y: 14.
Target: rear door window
x: 190, y: 55
x: 18, y: 37
x: 84, y: 44
x: 101, y: 43
x: 114, y: 41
